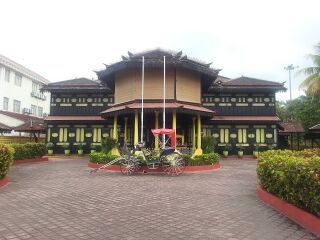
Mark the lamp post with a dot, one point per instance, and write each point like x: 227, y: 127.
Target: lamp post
x: 289, y: 68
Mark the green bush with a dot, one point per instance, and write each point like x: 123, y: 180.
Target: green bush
x: 101, y: 157
x: 208, y: 144
x: 108, y: 143
x: 204, y: 159
x: 294, y: 176
x: 6, y: 159
x: 28, y: 150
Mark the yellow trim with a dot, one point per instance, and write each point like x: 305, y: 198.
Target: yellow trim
x: 125, y: 129
x: 136, y: 128
x: 78, y: 135
x: 65, y: 134
x: 156, y: 140
x: 115, y: 127
x: 199, y: 150
x: 48, y: 134
x: 174, y: 121
x: 193, y: 133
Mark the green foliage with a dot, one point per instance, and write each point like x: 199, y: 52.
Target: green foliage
x: 204, y: 159
x: 294, y: 176
x: 312, y: 83
x: 208, y: 144
x: 80, y: 146
x: 28, y: 150
x: 108, y: 143
x: 302, y: 109
x: 101, y: 157
x: 6, y: 159
x: 227, y: 147
x: 65, y: 146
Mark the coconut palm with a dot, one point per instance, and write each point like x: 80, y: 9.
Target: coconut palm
x: 312, y: 83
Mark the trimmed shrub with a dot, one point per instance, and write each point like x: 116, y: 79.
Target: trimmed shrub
x: 204, y: 159
x: 294, y: 176
x: 101, y: 157
x: 6, y: 159
x: 208, y: 144
x: 28, y: 150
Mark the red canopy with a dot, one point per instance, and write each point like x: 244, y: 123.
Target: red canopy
x: 166, y: 131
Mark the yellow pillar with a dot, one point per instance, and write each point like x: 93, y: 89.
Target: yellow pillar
x: 125, y: 129
x: 174, y: 121
x: 156, y: 125
x: 193, y: 133
x: 115, y: 150
x: 136, y: 129
x: 199, y: 149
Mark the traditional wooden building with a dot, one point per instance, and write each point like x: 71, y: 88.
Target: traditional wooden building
x: 199, y: 102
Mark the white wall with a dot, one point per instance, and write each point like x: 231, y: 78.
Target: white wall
x: 22, y: 94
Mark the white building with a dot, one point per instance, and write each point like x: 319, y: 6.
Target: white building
x: 20, y: 89
x: 20, y: 95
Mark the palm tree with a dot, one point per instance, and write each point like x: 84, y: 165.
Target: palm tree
x: 312, y: 83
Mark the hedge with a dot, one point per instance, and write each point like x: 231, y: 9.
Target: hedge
x: 6, y: 159
x: 204, y: 159
x: 101, y: 157
x: 28, y: 150
x: 294, y: 176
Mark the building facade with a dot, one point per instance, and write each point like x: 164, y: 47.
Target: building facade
x: 238, y: 112
x: 21, y: 101
x: 20, y: 90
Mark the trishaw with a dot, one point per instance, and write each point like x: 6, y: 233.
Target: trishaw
x: 169, y: 160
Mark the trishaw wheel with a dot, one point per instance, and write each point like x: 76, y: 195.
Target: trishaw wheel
x: 127, y: 167
x: 173, y: 164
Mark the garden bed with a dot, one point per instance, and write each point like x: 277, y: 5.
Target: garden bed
x: 30, y: 160
x: 301, y: 217
x: 116, y: 168
x: 4, y: 181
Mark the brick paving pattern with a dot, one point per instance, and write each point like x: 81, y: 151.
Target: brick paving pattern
x: 62, y: 200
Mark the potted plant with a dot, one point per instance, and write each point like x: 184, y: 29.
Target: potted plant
x: 50, y: 146
x: 66, y: 148
x: 80, y: 149
x: 93, y: 148
x: 240, y: 151
x: 255, y: 153
x: 226, y: 149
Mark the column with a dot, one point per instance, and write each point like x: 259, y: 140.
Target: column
x: 115, y: 150
x: 174, y: 121
x: 136, y: 129
x: 156, y: 126
x: 199, y: 149
x: 193, y: 133
x: 125, y: 129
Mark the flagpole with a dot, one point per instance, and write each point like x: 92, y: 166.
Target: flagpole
x: 164, y: 101
x: 142, y: 93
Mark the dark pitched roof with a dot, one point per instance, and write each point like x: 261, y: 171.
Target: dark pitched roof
x: 21, y: 117
x: 76, y: 84
x: 32, y: 126
x: 291, y: 127
x: 179, y: 107
x: 246, y: 83
x: 315, y: 128
x: 154, y: 58
x: 246, y: 119
x: 4, y: 128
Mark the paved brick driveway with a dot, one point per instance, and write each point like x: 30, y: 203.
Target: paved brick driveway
x: 61, y: 200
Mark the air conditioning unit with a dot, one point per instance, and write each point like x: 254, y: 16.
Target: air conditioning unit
x: 26, y: 111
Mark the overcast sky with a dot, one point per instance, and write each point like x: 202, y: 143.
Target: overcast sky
x: 65, y: 39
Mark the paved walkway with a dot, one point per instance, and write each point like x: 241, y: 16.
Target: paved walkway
x: 61, y: 200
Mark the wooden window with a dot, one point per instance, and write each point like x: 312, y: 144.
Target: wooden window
x: 207, y: 132
x: 260, y: 135
x: 97, y: 135
x: 242, y: 135
x: 80, y: 135
x: 63, y: 134
x: 224, y: 135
